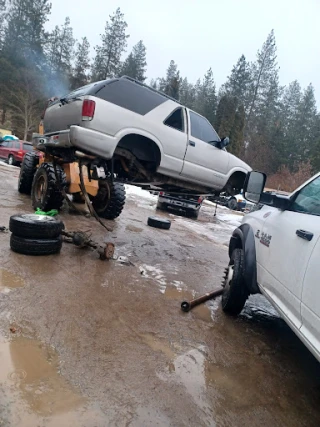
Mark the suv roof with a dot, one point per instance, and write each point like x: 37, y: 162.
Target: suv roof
x: 95, y: 87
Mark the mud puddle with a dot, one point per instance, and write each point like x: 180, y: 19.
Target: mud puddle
x: 9, y: 280
x: 32, y: 391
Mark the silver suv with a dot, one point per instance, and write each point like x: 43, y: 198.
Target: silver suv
x: 141, y: 136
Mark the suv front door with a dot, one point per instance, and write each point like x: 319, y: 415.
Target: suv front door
x: 286, y: 242
x: 203, y: 160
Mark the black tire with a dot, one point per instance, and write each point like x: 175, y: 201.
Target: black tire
x: 46, y: 192
x: 235, y: 292
x: 156, y: 222
x: 232, y: 204
x: 35, y: 226
x: 110, y: 200
x: 28, y: 168
x: 25, y: 246
x: 11, y: 160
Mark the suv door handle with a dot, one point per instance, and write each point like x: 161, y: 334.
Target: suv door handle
x: 193, y: 144
x: 306, y: 235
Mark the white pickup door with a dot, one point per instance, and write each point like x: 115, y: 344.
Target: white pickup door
x: 287, y: 246
x: 204, y: 162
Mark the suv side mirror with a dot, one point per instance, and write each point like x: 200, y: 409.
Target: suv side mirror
x: 254, y: 185
x: 224, y: 142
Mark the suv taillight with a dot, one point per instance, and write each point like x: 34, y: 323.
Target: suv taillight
x: 161, y: 193
x: 200, y: 199
x: 88, y: 108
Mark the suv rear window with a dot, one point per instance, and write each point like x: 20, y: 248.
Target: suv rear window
x: 131, y: 96
x: 27, y: 147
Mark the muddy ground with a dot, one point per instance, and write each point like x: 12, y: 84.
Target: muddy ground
x: 99, y: 343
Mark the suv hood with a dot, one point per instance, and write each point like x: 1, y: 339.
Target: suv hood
x: 235, y: 162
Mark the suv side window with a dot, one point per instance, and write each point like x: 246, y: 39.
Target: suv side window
x: 4, y: 144
x: 308, y: 199
x: 201, y: 128
x: 176, y: 120
x: 130, y: 95
x: 10, y: 144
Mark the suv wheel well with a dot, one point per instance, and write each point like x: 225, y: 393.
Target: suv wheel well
x: 235, y: 183
x: 144, y: 149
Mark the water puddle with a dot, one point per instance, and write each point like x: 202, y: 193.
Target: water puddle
x: 32, y: 390
x: 202, y: 312
x: 171, y: 292
x: 9, y: 280
x: 189, y: 369
x: 157, y: 344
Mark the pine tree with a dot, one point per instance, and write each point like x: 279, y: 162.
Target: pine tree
x: 264, y: 75
x: 60, y: 52
x: 230, y: 121
x: 236, y: 134
x: 307, y: 120
x: 286, y: 139
x: 225, y: 116
x: 206, y: 103
x: 238, y: 83
x: 188, y: 94
x: 3, y: 5
x: 82, y: 65
x: 263, y: 106
x: 135, y: 64
x: 315, y: 154
x: 24, y: 33
x: 172, y: 82
x: 114, y: 42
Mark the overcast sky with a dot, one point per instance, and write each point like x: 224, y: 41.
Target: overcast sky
x: 199, y: 34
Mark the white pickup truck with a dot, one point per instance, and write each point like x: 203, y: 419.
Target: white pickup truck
x: 276, y: 251
x: 143, y: 136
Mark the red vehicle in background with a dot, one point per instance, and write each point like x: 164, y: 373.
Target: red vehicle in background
x: 14, y: 151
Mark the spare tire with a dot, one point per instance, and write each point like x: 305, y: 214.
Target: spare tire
x: 157, y: 222
x: 27, y: 171
x: 35, y: 226
x: 25, y: 246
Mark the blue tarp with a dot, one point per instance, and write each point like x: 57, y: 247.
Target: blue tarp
x: 10, y: 138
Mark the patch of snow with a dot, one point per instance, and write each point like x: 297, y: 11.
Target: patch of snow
x: 137, y: 192
x: 155, y: 273
x: 232, y: 219
x: 2, y: 163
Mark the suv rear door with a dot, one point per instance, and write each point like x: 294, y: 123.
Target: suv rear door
x: 203, y: 161
x: 286, y: 242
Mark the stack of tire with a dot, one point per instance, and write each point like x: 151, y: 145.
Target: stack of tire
x: 35, y: 234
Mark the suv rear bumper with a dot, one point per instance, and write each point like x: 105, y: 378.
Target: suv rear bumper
x: 93, y: 142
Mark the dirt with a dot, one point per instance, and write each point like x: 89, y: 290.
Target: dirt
x: 104, y: 343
